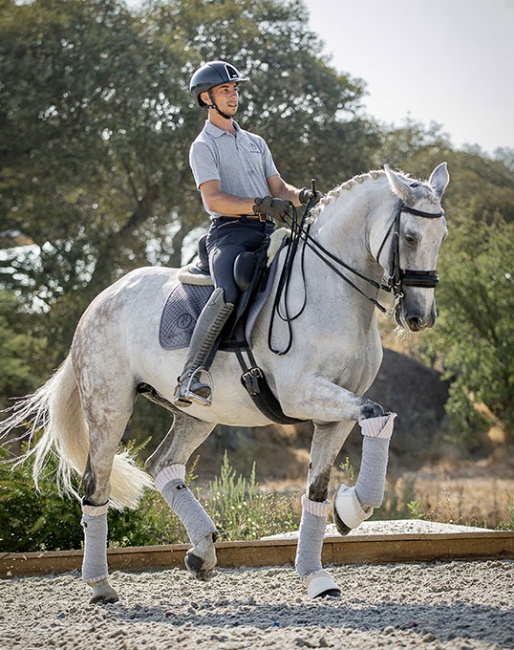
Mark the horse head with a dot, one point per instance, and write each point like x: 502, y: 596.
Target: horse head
x: 415, y: 236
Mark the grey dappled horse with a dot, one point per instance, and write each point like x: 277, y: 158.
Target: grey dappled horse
x: 378, y: 227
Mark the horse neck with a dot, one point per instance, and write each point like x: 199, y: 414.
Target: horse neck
x: 345, y: 223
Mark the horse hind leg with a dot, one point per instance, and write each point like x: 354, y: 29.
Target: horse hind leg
x: 168, y: 466
x: 105, y: 430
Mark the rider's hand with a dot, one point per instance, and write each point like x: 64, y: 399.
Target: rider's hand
x: 275, y: 208
x: 306, y: 195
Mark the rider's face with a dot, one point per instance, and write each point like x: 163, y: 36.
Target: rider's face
x: 226, y: 97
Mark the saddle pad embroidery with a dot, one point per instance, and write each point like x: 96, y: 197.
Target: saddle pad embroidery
x: 180, y: 314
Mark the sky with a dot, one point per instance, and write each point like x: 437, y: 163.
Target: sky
x: 444, y: 61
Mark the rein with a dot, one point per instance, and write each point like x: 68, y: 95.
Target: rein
x: 398, y: 278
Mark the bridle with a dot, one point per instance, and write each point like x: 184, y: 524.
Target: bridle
x: 398, y: 277
x: 397, y: 280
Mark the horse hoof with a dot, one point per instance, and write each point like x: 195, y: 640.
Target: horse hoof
x: 341, y: 527
x: 321, y: 585
x: 103, y: 593
x: 349, y: 510
x: 333, y: 594
x: 195, y: 565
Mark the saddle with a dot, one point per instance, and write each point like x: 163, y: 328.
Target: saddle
x: 253, y: 273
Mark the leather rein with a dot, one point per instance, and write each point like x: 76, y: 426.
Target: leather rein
x: 398, y: 277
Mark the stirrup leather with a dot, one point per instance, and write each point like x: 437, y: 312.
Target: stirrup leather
x: 184, y: 394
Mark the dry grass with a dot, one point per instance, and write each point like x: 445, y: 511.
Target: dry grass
x: 471, y: 501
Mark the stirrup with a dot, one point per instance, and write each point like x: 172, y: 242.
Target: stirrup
x: 184, y: 396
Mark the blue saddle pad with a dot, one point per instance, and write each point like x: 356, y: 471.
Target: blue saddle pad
x: 180, y: 314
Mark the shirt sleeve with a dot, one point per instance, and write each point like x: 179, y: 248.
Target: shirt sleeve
x: 203, y: 163
x: 270, y: 168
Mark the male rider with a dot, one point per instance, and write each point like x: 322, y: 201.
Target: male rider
x: 231, y: 167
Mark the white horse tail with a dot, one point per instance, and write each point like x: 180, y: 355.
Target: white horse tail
x: 56, y: 409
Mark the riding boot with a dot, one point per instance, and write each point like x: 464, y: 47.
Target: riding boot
x: 207, y: 330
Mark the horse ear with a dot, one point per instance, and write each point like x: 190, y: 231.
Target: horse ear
x: 400, y: 186
x: 439, y: 179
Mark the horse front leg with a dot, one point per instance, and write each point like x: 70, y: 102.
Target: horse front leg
x: 355, y: 504
x: 322, y: 400
x: 168, y: 466
x: 326, y: 443
x: 352, y: 505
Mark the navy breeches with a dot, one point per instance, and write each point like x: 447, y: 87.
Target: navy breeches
x: 227, y: 237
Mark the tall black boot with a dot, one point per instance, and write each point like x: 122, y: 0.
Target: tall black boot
x: 208, y: 327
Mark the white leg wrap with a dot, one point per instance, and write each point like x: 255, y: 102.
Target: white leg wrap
x: 310, y: 539
x: 370, y: 484
x: 355, y: 504
x: 310, y: 543
x: 181, y: 500
x: 94, y: 523
x: 169, y: 474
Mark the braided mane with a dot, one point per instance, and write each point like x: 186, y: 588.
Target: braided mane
x: 344, y: 187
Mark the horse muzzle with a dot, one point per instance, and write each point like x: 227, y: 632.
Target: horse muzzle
x: 416, y: 311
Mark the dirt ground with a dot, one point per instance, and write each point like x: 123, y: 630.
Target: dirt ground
x: 451, y: 606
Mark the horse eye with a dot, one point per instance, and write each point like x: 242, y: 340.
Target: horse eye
x: 410, y: 239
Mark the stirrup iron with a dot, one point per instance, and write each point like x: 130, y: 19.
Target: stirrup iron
x: 184, y: 396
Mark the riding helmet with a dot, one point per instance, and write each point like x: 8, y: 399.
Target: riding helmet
x: 213, y: 73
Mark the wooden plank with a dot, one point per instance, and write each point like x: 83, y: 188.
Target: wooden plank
x: 356, y: 549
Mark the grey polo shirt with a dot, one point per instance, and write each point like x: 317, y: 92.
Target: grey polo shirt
x: 242, y: 163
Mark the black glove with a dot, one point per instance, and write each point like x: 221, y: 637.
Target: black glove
x: 306, y: 194
x: 275, y: 208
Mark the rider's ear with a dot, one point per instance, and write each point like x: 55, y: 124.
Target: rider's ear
x: 400, y: 186
x: 439, y: 179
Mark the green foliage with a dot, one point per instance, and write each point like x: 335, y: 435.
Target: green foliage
x: 474, y: 331
x: 35, y: 521
x: 240, y: 510
x: 22, y: 349
x: 348, y: 471
x: 96, y: 122
x: 39, y: 521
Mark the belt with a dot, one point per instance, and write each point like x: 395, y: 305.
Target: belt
x: 262, y: 218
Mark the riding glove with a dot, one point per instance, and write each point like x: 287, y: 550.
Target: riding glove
x: 306, y: 194
x: 275, y: 208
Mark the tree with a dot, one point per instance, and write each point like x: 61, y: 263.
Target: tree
x: 22, y: 348
x: 473, y: 337
x: 96, y: 122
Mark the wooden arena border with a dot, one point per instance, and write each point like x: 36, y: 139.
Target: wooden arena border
x: 356, y: 549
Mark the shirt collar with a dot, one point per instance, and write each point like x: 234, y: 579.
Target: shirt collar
x: 216, y: 132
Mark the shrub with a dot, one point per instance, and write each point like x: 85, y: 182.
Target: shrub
x: 46, y: 520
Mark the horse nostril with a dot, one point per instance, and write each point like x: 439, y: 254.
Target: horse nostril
x: 416, y: 324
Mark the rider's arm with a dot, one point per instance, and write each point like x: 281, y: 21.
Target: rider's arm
x: 282, y: 190
x: 223, y: 203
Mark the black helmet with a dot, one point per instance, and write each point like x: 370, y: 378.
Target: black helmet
x: 213, y: 73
